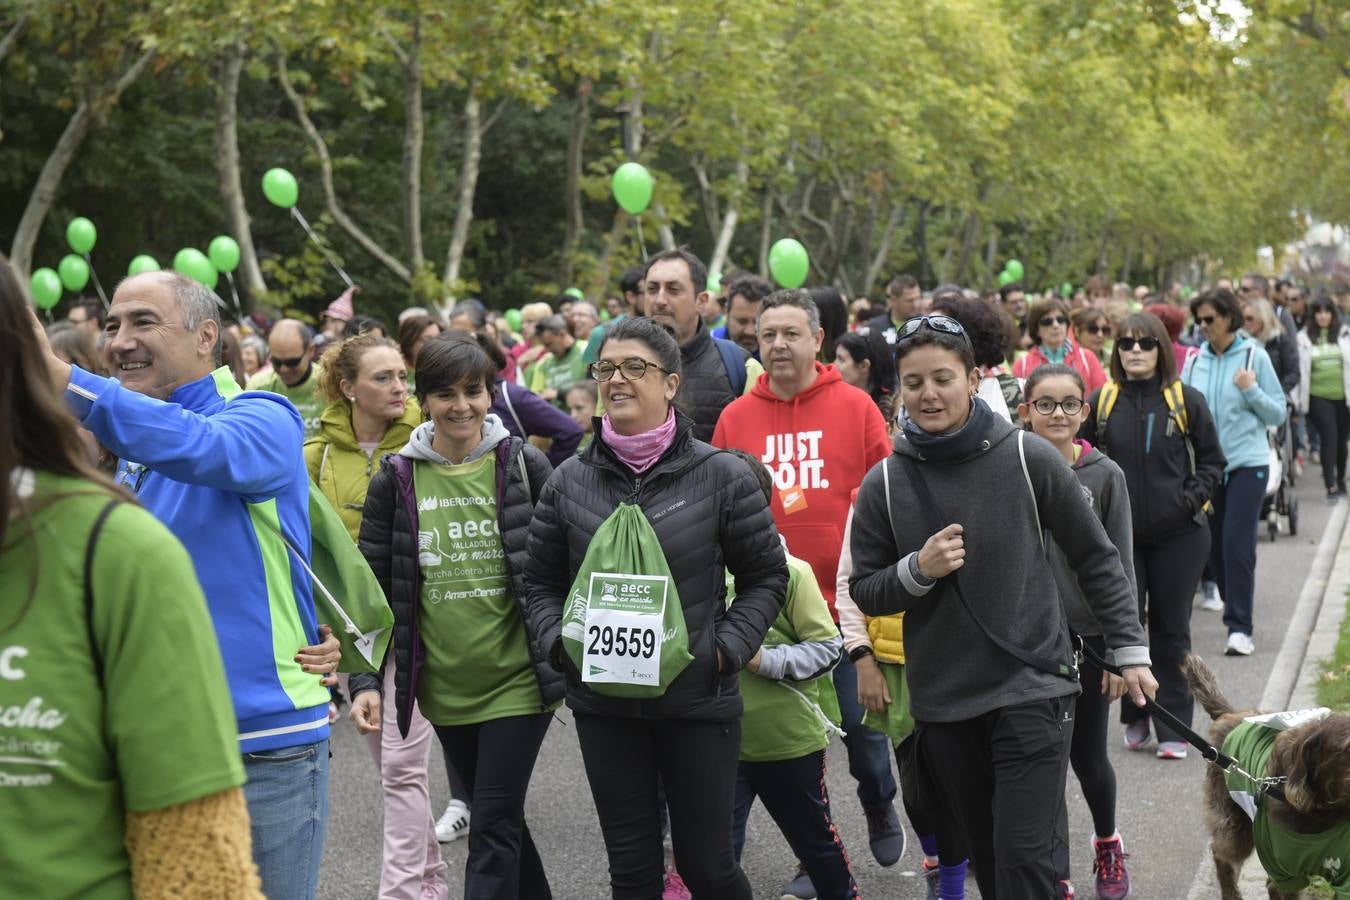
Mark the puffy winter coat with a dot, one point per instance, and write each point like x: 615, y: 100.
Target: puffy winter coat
x: 339, y: 466
x: 710, y: 515
x: 389, y: 543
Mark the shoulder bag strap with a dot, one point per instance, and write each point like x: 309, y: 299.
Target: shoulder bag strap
x: 1031, y: 491
x: 935, y: 518
x: 511, y: 408
x: 94, y: 532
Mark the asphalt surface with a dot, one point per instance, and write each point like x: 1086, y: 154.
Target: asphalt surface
x: 1158, y: 801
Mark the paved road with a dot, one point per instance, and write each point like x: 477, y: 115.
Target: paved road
x: 1159, y: 802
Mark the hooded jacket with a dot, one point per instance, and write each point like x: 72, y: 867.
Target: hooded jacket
x: 954, y: 671
x: 1080, y: 359
x: 340, y: 467
x: 389, y: 543
x: 1141, y: 437
x: 817, y: 446
x: 710, y: 516
x: 1241, y: 417
x: 1105, y: 492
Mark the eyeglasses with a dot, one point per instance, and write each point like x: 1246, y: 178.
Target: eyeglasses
x: 287, y: 363
x: 944, y: 324
x: 1046, y: 406
x: 1054, y: 320
x: 1205, y: 320
x: 1147, y: 344
x: 1099, y: 329
x: 632, y: 369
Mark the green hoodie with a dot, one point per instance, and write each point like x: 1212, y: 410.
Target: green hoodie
x: 339, y: 466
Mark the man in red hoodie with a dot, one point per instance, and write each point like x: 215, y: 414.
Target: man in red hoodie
x: 818, y: 436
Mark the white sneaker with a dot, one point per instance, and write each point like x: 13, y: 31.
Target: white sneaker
x: 1239, y: 644
x: 454, y: 824
x: 1212, y: 602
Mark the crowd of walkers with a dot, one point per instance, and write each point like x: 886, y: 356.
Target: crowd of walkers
x: 722, y: 529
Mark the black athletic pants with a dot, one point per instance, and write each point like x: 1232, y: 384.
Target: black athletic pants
x: 1087, y: 751
x: 1002, y: 773
x: 1331, y: 419
x: 495, y: 760
x: 697, y: 764
x: 1166, y: 574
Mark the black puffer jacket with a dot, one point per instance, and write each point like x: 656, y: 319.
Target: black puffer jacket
x: 710, y: 515
x: 705, y: 386
x: 389, y: 542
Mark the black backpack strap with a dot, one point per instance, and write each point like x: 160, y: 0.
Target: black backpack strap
x: 935, y: 520
x: 95, y: 653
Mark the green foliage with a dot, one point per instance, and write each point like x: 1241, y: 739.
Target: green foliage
x: 1333, y: 689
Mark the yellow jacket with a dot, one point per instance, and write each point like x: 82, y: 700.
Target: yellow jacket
x: 887, y: 634
x: 339, y: 466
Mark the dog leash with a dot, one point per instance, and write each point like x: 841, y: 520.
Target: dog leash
x: 1269, y: 787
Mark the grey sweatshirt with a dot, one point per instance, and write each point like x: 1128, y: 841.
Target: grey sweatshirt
x: 954, y: 671
x: 419, y: 444
x: 1104, y: 489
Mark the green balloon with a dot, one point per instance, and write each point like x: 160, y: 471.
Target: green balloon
x: 1005, y: 278
x: 1014, y: 267
x: 46, y: 287
x: 512, y: 317
x: 1066, y: 289
x: 193, y: 263
x: 715, y: 283
x: 632, y: 185
x: 788, y: 263
x: 574, y: 293
x: 74, y: 272
x: 81, y: 235
x: 224, y: 253
x: 280, y: 188
x: 143, y: 263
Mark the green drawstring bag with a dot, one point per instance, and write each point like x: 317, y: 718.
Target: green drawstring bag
x: 623, y: 625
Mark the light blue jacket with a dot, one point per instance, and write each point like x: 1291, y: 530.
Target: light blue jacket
x: 223, y: 469
x: 1241, y: 417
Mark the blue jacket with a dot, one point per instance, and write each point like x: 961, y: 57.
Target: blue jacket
x: 1241, y: 417
x: 222, y: 469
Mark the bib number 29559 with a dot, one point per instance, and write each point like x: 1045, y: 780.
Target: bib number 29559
x: 624, y: 628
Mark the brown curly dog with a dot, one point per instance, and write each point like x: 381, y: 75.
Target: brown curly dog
x: 1314, y: 758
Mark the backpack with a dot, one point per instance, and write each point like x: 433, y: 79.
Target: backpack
x: 734, y: 362
x: 1176, y: 411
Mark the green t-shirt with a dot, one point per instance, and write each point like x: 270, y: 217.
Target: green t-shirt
x: 1289, y: 858
x: 304, y: 398
x: 1328, y: 376
x: 477, y: 664
x: 782, y: 719
x: 559, y: 374
x: 76, y: 756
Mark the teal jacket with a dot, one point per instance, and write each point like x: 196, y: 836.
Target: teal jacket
x: 1241, y: 417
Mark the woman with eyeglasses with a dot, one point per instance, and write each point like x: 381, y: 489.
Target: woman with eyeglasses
x: 1324, y: 386
x: 1161, y: 434
x: 1092, y: 327
x: 710, y: 516
x: 1237, y: 380
x: 1260, y: 321
x: 988, y: 655
x: 1048, y: 326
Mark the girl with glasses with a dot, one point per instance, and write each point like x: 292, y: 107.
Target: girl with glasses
x: 1048, y: 327
x: 1323, y: 388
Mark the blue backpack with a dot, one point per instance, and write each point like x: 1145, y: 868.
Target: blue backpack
x: 734, y: 360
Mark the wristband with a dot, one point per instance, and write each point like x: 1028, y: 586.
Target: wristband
x: 858, y: 653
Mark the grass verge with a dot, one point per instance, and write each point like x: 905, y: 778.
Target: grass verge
x: 1333, y: 687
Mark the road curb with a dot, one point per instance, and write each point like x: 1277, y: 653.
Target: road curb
x: 1292, y: 682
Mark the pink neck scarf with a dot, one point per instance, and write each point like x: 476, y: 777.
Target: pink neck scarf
x: 639, y: 452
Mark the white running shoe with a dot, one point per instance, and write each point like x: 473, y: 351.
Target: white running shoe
x: 1240, y: 644
x: 1212, y: 602
x: 454, y: 824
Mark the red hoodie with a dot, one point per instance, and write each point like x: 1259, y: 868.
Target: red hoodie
x: 817, y: 446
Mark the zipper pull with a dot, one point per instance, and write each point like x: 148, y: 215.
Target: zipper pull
x: 637, y: 486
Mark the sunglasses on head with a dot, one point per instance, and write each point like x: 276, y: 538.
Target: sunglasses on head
x: 1147, y: 344
x: 944, y: 324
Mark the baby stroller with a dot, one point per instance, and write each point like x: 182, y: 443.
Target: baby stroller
x: 1280, y: 499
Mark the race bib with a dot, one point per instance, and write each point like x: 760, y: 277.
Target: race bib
x: 624, y: 629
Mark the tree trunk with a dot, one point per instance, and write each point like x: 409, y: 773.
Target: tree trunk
x: 413, y: 134
x: 367, y: 243
x: 765, y: 232
x: 729, y: 219
x: 11, y: 38
x: 468, y: 185
x: 576, y: 145
x: 227, y: 170
x: 614, y: 239
x: 921, y: 242
x: 85, y: 119
x: 991, y: 254
x: 883, y: 250
x: 968, y: 236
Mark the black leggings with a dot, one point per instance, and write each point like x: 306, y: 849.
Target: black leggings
x: 697, y: 763
x: 1087, y: 751
x: 1331, y: 418
x: 495, y: 760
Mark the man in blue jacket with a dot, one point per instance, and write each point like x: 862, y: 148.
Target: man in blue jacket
x: 224, y: 470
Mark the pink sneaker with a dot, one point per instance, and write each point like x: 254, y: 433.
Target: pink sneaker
x: 1113, y: 879
x: 675, y: 888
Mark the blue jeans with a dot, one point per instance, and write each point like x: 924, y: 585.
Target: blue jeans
x: 1232, y: 551
x: 287, y: 794
x: 869, y: 752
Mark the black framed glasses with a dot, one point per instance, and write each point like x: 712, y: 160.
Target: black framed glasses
x: 632, y: 369
x: 1147, y: 344
x: 944, y: 324
x: 1046, y: 406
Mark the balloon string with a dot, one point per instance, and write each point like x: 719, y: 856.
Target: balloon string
x: 234, y: 292
x: 642, y: 244
x: 98, y: 287
x: 332, y: 260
